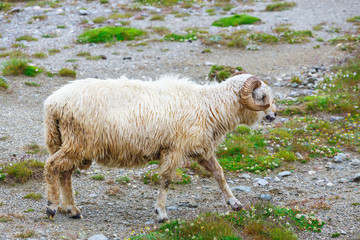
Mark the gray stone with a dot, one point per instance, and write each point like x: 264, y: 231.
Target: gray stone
x: 14, y: 10
x: 336, y: 118
x: 245, y: 175
x: 312, y: 80
x: 83, y: 12
x: 343, y: 232
x: 355, y: 162
x: 172, y: 208
x: 268, y: 178
x: 149, y: 222
x: 340, y: 157
x: 299, y: 156
x: 310, y: 86
x: 356, y: 178
x: 294, y: 85
x: 284, y: 174
x: 98, y: 237
x: 265, y: 197
x: 252, y: 47
x: 262, y: 182
x: 207, y: 63
x: 277, y: 179
x: 335, y: 167
x: 241, y: 188
x: 343, y: 180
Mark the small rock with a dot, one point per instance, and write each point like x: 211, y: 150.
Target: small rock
x: 284, y: 174
x: 252, y: 47
x: 311, y: 172
x: 277, y: 179
x: 103, y: 57
x: 93, y: 195
x: 149, y: 222
x: 126, y: 58
x: 14, y: 10
x: 98, y: 237
x: 245, y: 175
x: 335, y: 118
x: 312, y: 80
x: 343, y: 180
x: 172, y: 208
x: 207, y: 63
x: 294, y: 85
x: 262, y: 182
x: 268, y: 178
x: 340, y: 157
x: 241, y: 188
x: 83, y: 12
x: 355, y: 162
x: 343, y: 232
x: 329, y: 184
x: 356, y: 178
x: 299, y: 156
x: 334, y: 166
x: 265, y: 197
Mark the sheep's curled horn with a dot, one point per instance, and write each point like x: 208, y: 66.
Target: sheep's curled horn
x: 246, y: 95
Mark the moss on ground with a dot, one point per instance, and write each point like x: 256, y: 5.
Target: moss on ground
x: 236, y: 20
x: 221, y: 73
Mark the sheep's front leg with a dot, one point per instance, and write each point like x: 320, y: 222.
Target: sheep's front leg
x: 213, y: 166
x: 161, y: 200
x: 67, y: 194
x: 168, y: 164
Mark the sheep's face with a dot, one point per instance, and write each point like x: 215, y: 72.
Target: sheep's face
x: 262, y: 96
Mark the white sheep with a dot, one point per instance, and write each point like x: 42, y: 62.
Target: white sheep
x: 127, y: 123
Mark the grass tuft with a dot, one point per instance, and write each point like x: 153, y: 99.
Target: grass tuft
x: 221, y: 73
x: 280, y: 6
x: 108, y: 34
x: 26, y: 38
x: 3, y: 83
x: 236, y: 20
x: 33, y: 196
x: 66, y: 72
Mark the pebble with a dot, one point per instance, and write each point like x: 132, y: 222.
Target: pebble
x: 241, y: 188
x: 98, y: 237
x: 334, y: 166
x: 83, y: 12
x: 355, y: 162
x: 340, y: 157
x: 207, y: 63
x: 356, y: 178
x: 299, y: 156
x: 343, y: 232
x: 245, y: 175
x: 343, y: 180
x: 262, y: 182
x: 329, y: 184
x: 277, y: 179
x: 265, y: 197
x: 172, y: 208
x: 311, y: 172
x: 284, y: 174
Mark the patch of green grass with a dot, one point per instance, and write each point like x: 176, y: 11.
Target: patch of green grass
x: 119, y: 15
x: 14, y: 54
x: 72, y: 60
x: 40, y: 55
x: 221, y: 73
x: 151, y: 177
x: 15, y: 66
x: 49, y: 35
x: 280, y: 6
x: 99, y: 20
x: 94, y: 58
x: 181, y: 177
x: 4, y: 6
x: 319, y: 39
x: 161, y: 30
x: 180, y: 38
x: 292, y: 36
x: 166, y: 3
x: 107, y: 34
x: 26, y: 234
x: 66, y: 72
x: 33, y: 196
x: 3, y: 83
x: 211, y: 11
x: 61, y: 26
x: 182, y: 15
x: 104, y: 1
x: 26, y: 38
x: 123, y: 180
x: 39, y: 18
x: 32, y: 71
x: 335, y: 235
x: 98, y: 177
x: 29, y: 210
x: 355, y: 203
x: 157, y: 18
x: 286, y: 155
x: 4, y: 219
x: 236, y: 20
x: 264, y: 38
x: 83, y: 54
x: 32, y: 84
x: 53, y: 51
x: 22, y: 171
x: 355, y: 19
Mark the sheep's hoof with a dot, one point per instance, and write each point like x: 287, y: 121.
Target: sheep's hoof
x: 50, y: 213
x: 77, y: 216
x: 163, y: 220
x: 237, y: 207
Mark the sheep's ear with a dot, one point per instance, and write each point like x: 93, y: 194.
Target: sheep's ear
x: 238, y: 73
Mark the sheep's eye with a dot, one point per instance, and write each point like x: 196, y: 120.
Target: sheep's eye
x: 263, y: 98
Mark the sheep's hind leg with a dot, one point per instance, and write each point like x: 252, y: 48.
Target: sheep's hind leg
x: 169, y: 164
x: 55, y: 166
x: 213, y: 166
x: 67, y: 194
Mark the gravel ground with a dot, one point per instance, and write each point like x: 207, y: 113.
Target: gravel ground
x: 132, y: 209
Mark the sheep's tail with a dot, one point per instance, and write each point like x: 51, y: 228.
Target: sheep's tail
x: 52, y: 133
